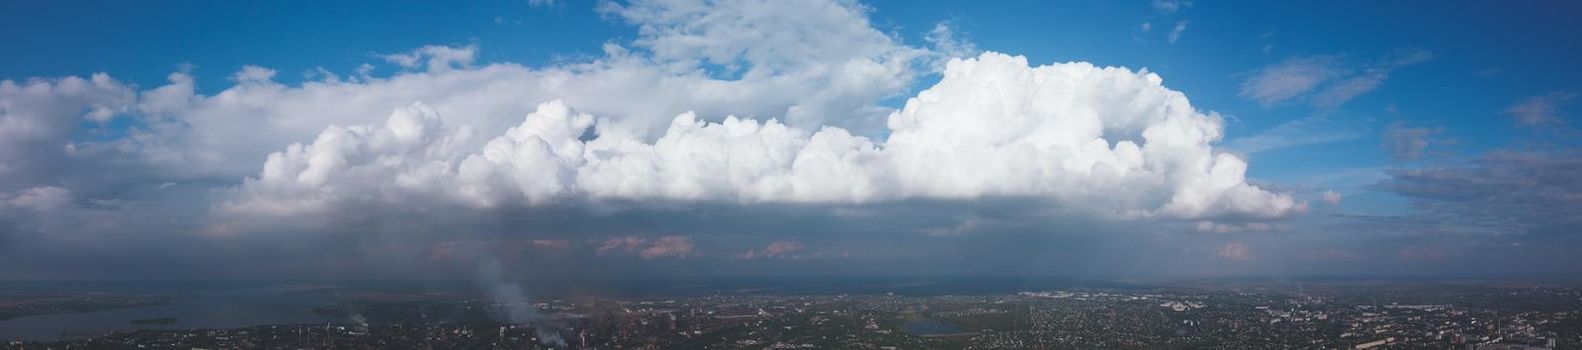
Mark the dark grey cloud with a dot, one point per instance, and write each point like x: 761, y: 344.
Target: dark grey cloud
x: 153, y: 236
x: 1501, y: 192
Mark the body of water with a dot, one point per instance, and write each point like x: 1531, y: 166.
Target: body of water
x: 219, y: 309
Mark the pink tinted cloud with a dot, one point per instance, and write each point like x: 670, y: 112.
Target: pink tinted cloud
x: 626, y: 244
x: 551, y: 243
x: 670, y: 246
x: 776, y: 249
x: 1332, y: 197
x: 673, y: 246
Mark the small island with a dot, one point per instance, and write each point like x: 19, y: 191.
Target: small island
x: 155, y: 321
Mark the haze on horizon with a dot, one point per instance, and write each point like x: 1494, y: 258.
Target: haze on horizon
x: 553, y: 140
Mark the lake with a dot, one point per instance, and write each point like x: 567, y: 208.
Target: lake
x: 234, y: 308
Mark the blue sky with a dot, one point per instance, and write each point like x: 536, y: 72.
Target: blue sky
x: 1419, y: 133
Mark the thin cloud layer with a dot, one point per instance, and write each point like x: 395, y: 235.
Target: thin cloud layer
x: 1234, y: 251
x: 1405, y: 142
x: 1175, y: 33
x: 1501, y: 192
x: 36, y: 198
x: 1541, y: 110
x: 775, y: 250
x: 1289, y: 79
x: 1110, y: 139
x: 670, y: 246
x: 1325, y: 81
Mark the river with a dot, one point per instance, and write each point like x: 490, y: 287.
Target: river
x: 234, y: 308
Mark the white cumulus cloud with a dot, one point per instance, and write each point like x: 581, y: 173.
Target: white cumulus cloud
x: 1104, y: 138
x: 805, y: 63
x: 39, y: 116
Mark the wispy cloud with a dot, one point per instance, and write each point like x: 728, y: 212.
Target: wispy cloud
x: 1311, y: 130
x: 1541, y: 110
x: 1349, y: 88
x: 776, y: 250
x: 1406, y: 142
x: 946, y: 40
x: 670, y: 247
x: 1287, y: 80
x: 1234, y: 251
x: 1332, y: 197
x: 1175, y: 33
x: 1325, y: 81
x: 1165, y: 7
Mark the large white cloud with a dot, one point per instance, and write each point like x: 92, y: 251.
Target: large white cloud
x: 809, y: 63
x: 409, y: 155
x: 645, y: 121
x: 1080, y: 135
x: 40, y: 117
x: 106, y: 142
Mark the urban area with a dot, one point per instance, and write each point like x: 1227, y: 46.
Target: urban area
x: 1446, y: 316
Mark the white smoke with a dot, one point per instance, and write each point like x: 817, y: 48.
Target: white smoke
x: 507, y: 296
x: 549, y: 337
